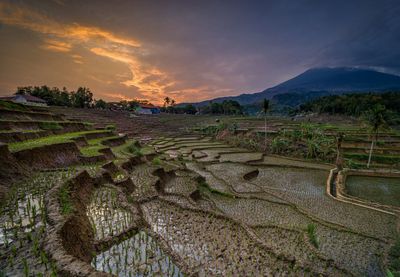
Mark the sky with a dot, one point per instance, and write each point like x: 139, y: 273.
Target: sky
x: 189, y: 50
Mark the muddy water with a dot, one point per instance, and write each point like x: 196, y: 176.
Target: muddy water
x: 377, y: 189
x: 139, y: 255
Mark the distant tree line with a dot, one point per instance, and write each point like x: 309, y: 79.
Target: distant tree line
x: 353, y: 104
x: 227, y: 107
x: 81, y: 98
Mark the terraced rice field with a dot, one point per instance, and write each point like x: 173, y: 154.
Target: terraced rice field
x: 190, y: 206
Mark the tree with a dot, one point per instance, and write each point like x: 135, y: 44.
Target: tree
x: 190, y: 109
x: 339, y: 159
x: 82, y: 98
x: 166, y: 101
x: 265, y: 110
x: 376, y: 119
x: 100, y: 104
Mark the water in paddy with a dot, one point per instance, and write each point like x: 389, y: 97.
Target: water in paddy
x: 21, y: 218
x: 139, y: 255
x: 384, y: 190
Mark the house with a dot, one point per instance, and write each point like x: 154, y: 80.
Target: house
x: 25, y: 99
x: 147, y: 109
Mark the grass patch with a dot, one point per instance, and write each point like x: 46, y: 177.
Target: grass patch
x: 8, y: 105
x: 312, y: 236
x: 156, y: 161
x: 92, y: 150
x: 98, y: 141
x: 29, y: 144
x: 65, y: 199
x: 386, y: 159
x: 49, y: 125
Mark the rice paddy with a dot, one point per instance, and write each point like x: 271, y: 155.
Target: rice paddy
x: 192, y: 206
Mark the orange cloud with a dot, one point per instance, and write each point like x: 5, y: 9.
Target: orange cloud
x: 57, y: 46
x: 28, y: 19
x: 117, y: 96
x: 150, y: 81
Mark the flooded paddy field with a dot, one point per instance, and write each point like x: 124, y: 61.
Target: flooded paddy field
x: 383, y: 190
x: 194, y: 207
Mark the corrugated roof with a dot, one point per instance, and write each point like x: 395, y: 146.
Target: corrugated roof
x: 28, y: 98
x: 33, y: 98
x: 147, y: 106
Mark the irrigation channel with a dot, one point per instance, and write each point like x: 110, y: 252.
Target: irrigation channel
x: 196, y: 207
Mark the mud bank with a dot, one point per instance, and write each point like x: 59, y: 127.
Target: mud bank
x: 69, y: 238
x: 10, y: 170
x: 49, y: 156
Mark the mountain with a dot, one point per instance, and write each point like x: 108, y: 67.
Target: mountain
x: 321, y: 81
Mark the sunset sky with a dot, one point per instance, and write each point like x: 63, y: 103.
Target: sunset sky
x: 189, y: 50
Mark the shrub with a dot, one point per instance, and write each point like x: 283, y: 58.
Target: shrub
x: 156, y: 161
x: 279, y: 145
x: 134, y: 149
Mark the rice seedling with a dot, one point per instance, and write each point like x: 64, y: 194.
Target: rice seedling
x: 311, y: 232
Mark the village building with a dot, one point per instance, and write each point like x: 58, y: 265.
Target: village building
x: 147, y: 109
x: 25, y: 99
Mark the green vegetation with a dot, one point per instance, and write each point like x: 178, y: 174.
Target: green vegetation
x: 65, y: 201
x: 91, y: 151
x: 135, y: 149
x: 376, y: 118
x: 12, y: 106
x: 98, y: 141
x: 387, y: 159
x: 156, y: 161
x: 355, y: 104
x: 311, y: 232
x: 28, y: 144
x: 227, y: 107
x: 308, y: 141
x: 80, y: 98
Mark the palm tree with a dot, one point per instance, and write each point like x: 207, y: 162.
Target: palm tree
x: 167, y: 100
x: 265, y: 110
x: 339, y: 159
x: 375, y: 117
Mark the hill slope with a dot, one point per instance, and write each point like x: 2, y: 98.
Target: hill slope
x: 323, y: 81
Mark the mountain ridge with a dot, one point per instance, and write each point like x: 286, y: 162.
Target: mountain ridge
x: 330, y: 80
